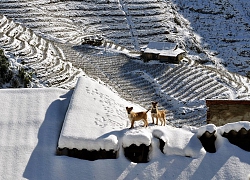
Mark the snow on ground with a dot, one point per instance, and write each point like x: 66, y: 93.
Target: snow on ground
x: 222, y: 28
x: 31, y: 121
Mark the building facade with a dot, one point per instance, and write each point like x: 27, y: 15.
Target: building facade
x: 221, y: 112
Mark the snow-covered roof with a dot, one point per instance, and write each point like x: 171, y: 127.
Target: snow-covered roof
x: 161, y: 45
x: 163, y: 49
x: 30, y: 121
x: 94, y: 112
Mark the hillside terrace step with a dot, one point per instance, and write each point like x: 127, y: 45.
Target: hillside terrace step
x: 25, y: 50
x: 7, y: 26
x: 5, y: 40
x: 15, y: 31
x: 182, y: 89
x: 13, y: 44
x: 40, y: 54
x: 25, y: 35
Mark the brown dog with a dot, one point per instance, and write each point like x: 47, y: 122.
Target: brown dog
x: 158, y: 114
x: 136, y: 116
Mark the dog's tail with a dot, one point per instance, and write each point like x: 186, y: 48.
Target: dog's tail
x: 148, y: 110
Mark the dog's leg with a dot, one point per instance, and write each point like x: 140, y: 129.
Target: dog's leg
x: 146, y: 119
x: 132, y: 124
x: 162, y: 118
x: 162, y: 122
x: 153, y: 119
x: 157, y: 120
x: 145, y: 122
x: 165, y: 118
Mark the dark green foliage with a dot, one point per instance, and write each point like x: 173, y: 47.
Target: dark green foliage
x: 5, y: 74
x: 22, y: 79
x: 24, y: 76
x: 4, y: 66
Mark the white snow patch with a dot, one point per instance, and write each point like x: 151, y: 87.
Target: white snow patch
x: 137, y: 137
x: 234, y: 126
x: 182, y: 142
x: 209, y: 128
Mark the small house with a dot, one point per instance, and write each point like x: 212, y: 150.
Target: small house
x: 162, y: 51
x: 93, y: 40
x: 223, y: 111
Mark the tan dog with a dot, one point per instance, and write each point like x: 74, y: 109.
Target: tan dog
x: 136, y: 116
x: 158, y: 114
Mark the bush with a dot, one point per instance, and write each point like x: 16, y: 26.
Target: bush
x: 5, y: 75
x: 4, y: 64
x: 22, y: 79
x: 24, y: 76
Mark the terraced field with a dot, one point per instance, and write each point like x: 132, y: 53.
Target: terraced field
x: 45, y: 37
x: 125, y: 22
x: 41, y: 56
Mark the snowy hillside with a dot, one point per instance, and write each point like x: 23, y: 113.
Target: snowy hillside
x: 216, y: 31
x: 45, y: 37
x: 224, y: 30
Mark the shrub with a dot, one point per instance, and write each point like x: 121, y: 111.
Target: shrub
x: 5, y: 73
x: 4, y: 64
x: 25, y: 76
x: 21, y: 79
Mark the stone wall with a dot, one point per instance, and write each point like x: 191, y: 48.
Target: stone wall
x: 221, y: 112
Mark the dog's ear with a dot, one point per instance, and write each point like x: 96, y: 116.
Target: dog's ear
x: 126, y: 107
x: 131, y: 108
